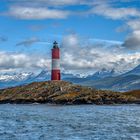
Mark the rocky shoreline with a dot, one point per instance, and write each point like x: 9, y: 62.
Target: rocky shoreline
x: 65, y: 93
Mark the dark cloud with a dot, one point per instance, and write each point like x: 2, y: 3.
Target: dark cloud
x: 56, y: 24
x: 28, y: 42
x: 133, y: 41
x: 36, y: 27
x: 3, y: 39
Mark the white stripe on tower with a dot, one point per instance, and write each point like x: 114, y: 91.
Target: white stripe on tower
x: 55, y: 64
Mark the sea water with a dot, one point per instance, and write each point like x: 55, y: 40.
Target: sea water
x: 81, y: 122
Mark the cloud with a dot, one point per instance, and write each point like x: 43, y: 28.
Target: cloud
x: 70, y: 41
x: 133, y: 41
x: 35, y: 13
x: 62, y: 2
x: 52, y: 2
x: 15, y: 61
x: 114, y: 13
x: 56, y: 9
x: 28, y: 42
x: 122, y: 28
x: 93, y: 57
x: 36, y: 27
x: 134, y: 24
x: 78, y: 53
x: 31, y: 41
x: 8, y: 61
x: 3, y: 39
x: 76, y: 57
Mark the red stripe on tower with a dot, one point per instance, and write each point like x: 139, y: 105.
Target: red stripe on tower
x: 55, y: 62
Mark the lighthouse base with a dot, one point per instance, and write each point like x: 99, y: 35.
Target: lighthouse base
x: 55, y: 75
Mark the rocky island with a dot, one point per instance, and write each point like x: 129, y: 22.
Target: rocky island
x: 62, y: 92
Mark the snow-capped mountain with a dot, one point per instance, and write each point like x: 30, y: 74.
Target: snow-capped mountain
x: 44, y: 75
x: 15, y: 79
x: 123, y: 82
x: 6, y: 77
x: 135, y: 71
x: 103, y: 79
x: 96, y: 76
x: 105, y: 73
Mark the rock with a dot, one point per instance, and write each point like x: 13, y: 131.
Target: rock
x: 62, y: 92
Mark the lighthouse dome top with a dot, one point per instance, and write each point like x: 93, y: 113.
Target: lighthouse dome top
x: 55, y: 44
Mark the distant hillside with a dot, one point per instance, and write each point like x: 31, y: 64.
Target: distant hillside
x: 124, y: 82
x: 61, y: 92
x: 103, y: 79
x: 135, y: 71
x: 119, y: 83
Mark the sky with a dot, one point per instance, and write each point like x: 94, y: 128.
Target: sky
x: 92, y: 35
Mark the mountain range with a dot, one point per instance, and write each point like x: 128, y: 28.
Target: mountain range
x: 121, y: 82
x: 103, y: 79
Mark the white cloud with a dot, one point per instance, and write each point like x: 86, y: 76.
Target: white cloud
x: 24, y: 12
x: 75, y: 58
x: 53, y: 2
x: 62, y: 2
x: 134, y: 24
x: 71, y: 41
x: 93, y: 57
x: 40, y: 9
x: 8, y: 60
x: 77, y: 54
x: 115, y: 13
x: 16, y: 61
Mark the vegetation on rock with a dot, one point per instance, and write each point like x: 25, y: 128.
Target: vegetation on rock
x: 61, y: 92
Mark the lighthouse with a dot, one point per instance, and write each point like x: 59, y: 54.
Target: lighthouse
x: 55, y: 75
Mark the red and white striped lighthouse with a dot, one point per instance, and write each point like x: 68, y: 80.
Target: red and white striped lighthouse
x: 55, y: 62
